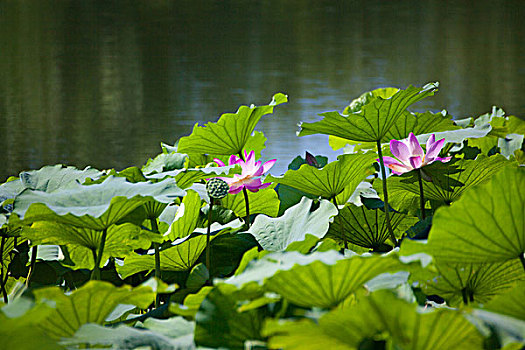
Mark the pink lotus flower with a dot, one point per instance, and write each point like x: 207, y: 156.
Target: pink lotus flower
x: 251, y: 172
x: 411, y: 156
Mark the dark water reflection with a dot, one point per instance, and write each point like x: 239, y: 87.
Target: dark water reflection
x: 104, y: 82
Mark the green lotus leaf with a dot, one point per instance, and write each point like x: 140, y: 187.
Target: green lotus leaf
x: 51, y: 178
x: 91, y: 303
x: 179, y: 257
x: 131, y: 174
x: 276, y: 234
x: 509, y: 332
x: 154, y: 209
x: 187, y: 177
x: 510, y: 303
x: 378, y: 316
x: 367, y: 227
x: 261, y: 266
x: 370, y: 118
x: 230, y: 133
x: 191, y: 304
x: 485, y: 225
x: 347, y: 172
x: 187, y: 216
x: 95, y: 206
x: 19, y: 329
x: 418, y: 123
x: 449, y: 180
x: 124, y: 337
x: 8, y: 244
x: 165, y: 162
x: 326, y: 285
x: 121, y: 240
x: 263, y: 201
x: 219, y: 324
x: 471, y: 283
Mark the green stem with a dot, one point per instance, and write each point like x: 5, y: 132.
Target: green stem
x: 421, y: 195
x: 246, y: 201
x: 208, y: 234
x: 2, y: 284
x: 343, y: 236
x: 34, y: 252
x: 465, y: 296
x: 385, y: 194
x: 247, y: 205
x: 522, y: 259
x: 156, y: 246
x: 95, y: 275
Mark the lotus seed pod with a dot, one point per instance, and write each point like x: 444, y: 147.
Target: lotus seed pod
x: 217, y: 188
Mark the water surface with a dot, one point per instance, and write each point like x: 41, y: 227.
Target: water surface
x: 102, y: 83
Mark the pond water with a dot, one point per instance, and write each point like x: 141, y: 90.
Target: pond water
x: 102, y: 83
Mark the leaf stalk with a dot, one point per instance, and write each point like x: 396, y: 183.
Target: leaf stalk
x: 385, y: 194
x: 156, y: 246
x: 95, y: 275
x: 421, y: 195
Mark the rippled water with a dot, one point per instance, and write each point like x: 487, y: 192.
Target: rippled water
x: 102, y: 83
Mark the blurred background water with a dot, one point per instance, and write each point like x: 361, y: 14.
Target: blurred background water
x: 102, y: 83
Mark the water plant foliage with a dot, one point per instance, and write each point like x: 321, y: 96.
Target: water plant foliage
x: 339, y: 255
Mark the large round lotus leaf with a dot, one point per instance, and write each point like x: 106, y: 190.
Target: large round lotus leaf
x: 347, y: 172
x: 379, y: 314
x: 220, y: 325
x: 275, y: 234
x: 367, y: 227
x: 487, y: 224
x: 95, y: 206
x: 370, y: 117
x: 449, y: 180
x: 471, y: 283
x: 323, y: 285
x: 230, y: 133
x: 91, y: 303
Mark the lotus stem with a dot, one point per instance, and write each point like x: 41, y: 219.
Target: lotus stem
x: 208, y: 234
x: 2, y: 284
x: 343, y: 236
x: 246, y: 201
x: 385, y: 194
x: 465, y: 295
x: 247, y: 205
x: 421, y: 195
x: 95, y: 275
x: 34, y: 253
x: 156, y: 246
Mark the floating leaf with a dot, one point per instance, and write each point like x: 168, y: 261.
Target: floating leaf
x: 367, y: 227
x: 347, y: 172
x: 485, y: 225
x: 95, y: 206
x: 276, y: 234
x: 371, y: 116
x: 230, y: 133
x: 91, y: 303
